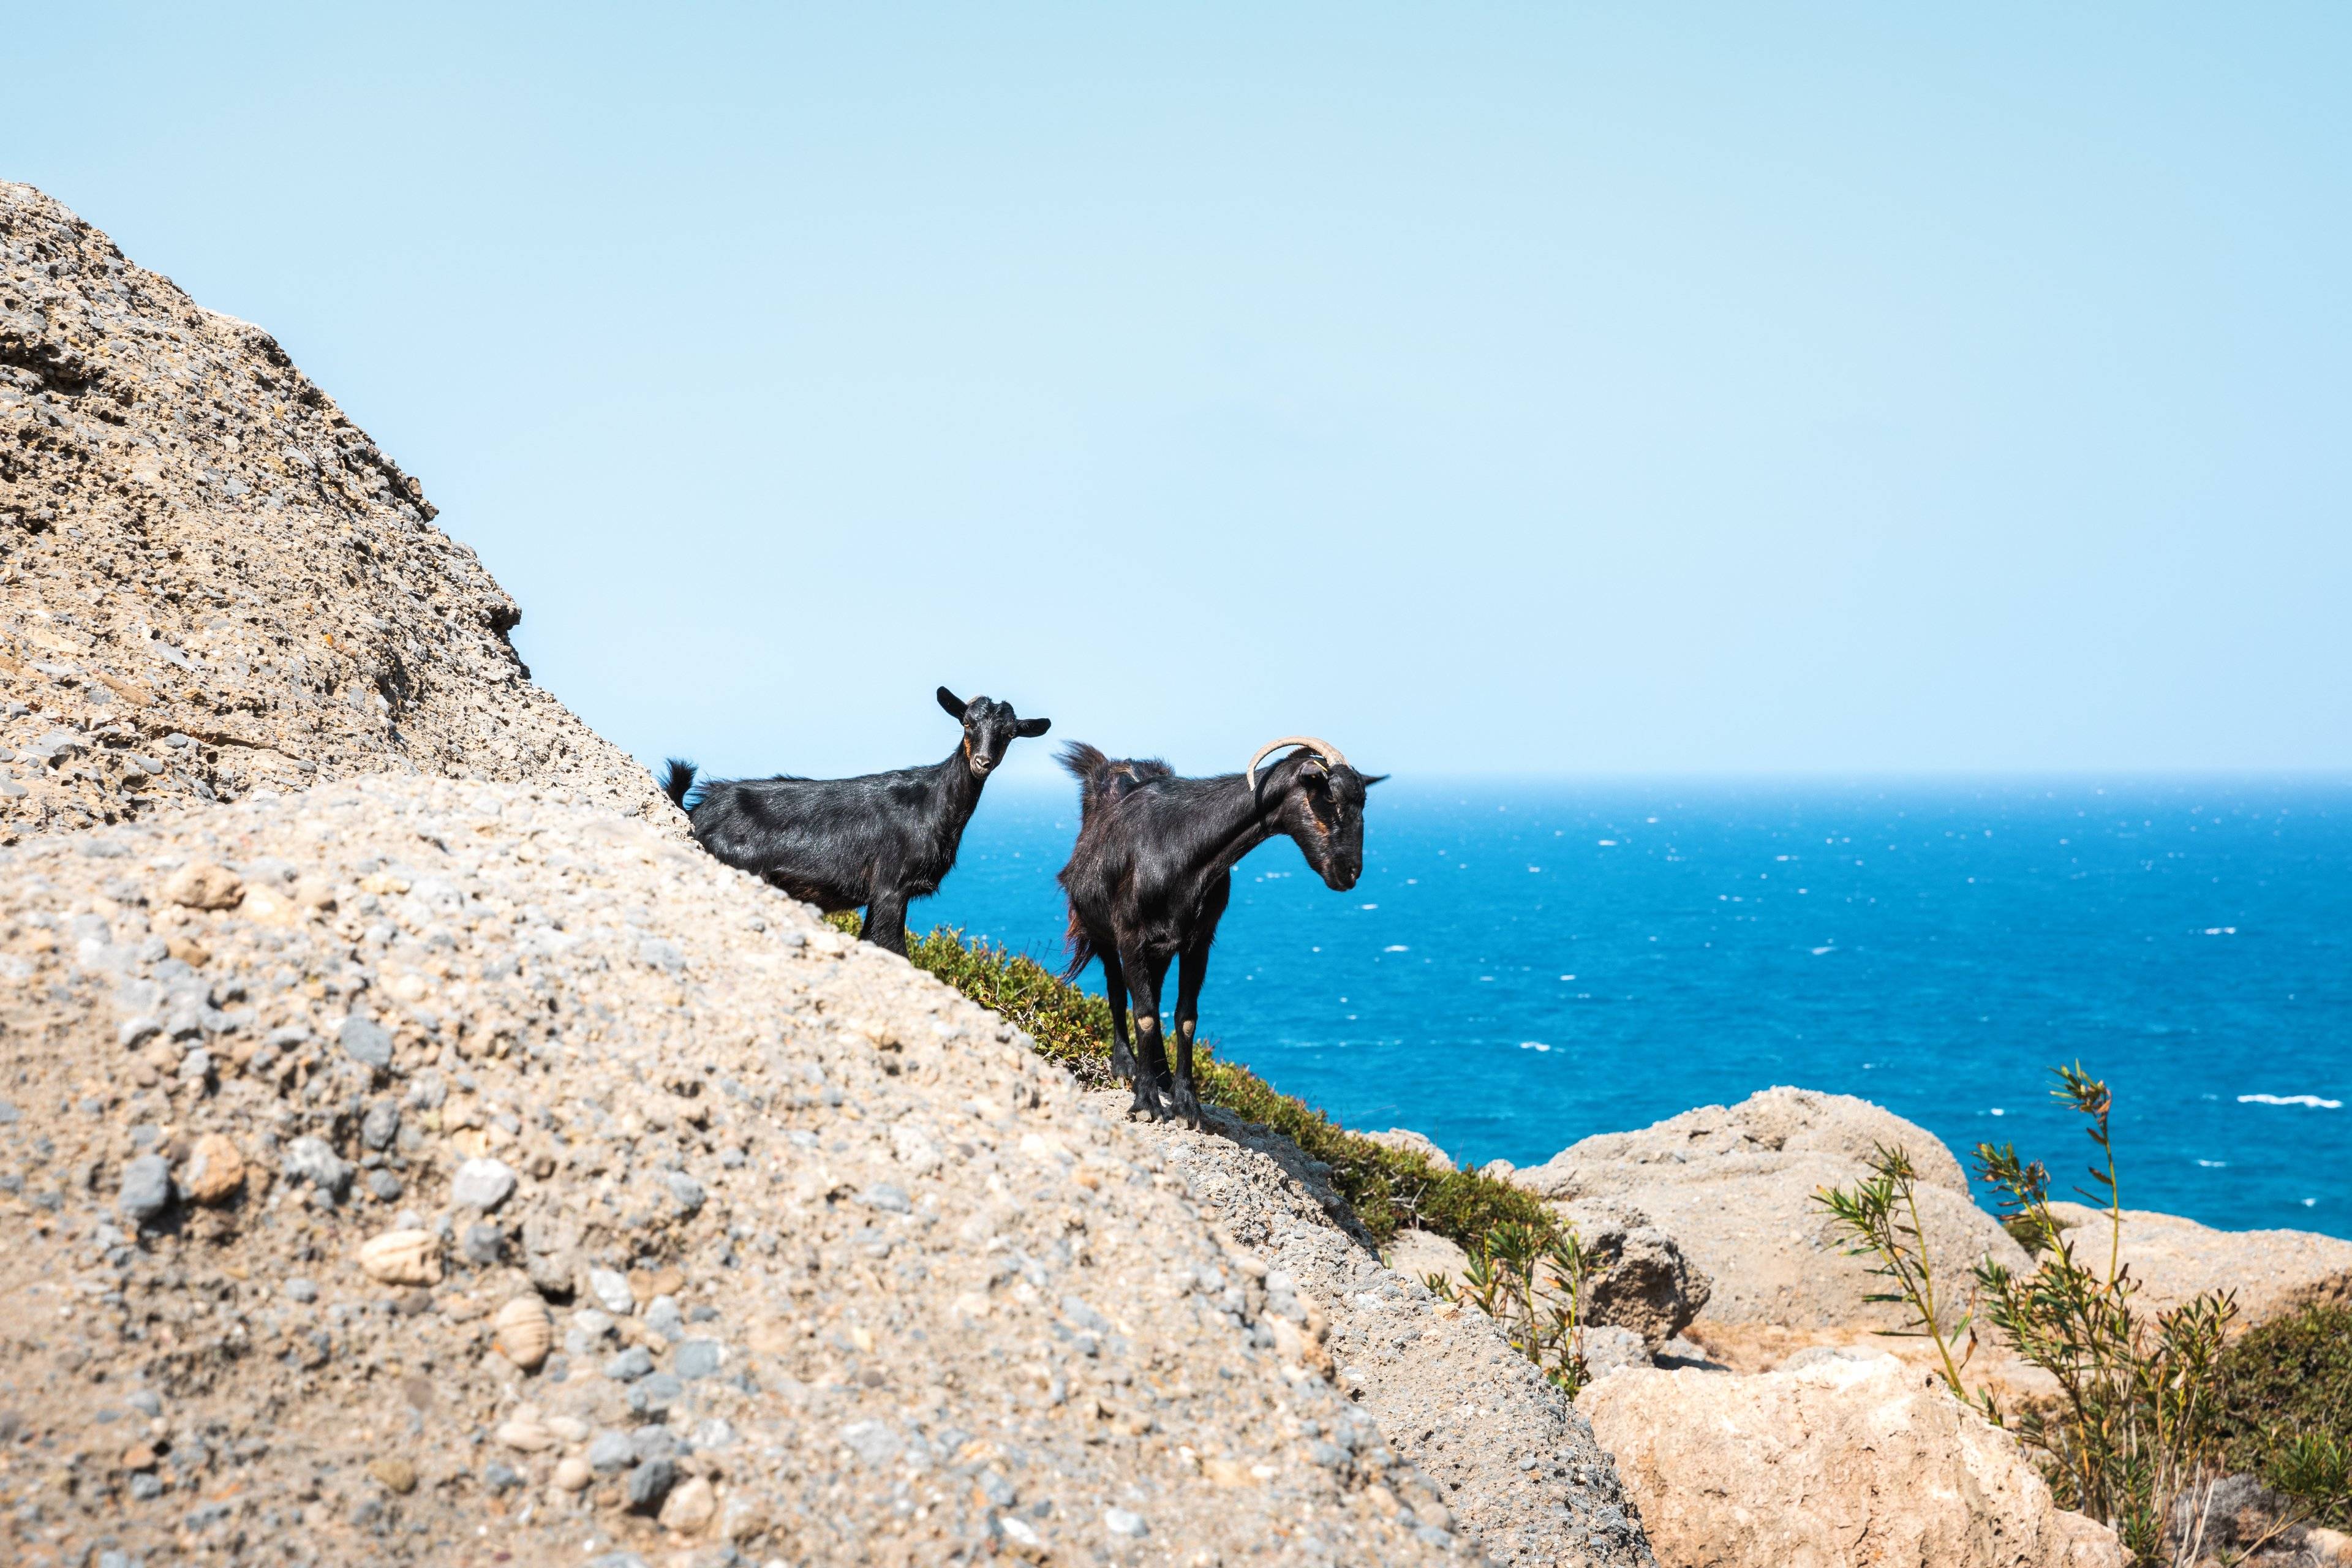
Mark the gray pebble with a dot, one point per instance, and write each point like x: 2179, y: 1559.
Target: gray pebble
x: 500, y: 1478
x: 699, y: 1358
x: 655, y: 1394
x: 484, y: 1243
x: 146, y: 1188
x: 1120, y: 1521
x: 663, y: 1317
x: 384, y: 1185
x: 382, y: 1124
x: 650, y: 1483
x: 611, y: 1291
x: 483, y: 1183
x: 891, y: 1199
x: 611, y: 1451
x: 302, y: 1289
x: 312, y: 1159
x: 654, y: 1443
x: 686, y: 1192
x: 365, y: 1041
x: 147, y: 1402
x: 997, y: 1490
x: 145, y: 1487
x: 630, y: 1364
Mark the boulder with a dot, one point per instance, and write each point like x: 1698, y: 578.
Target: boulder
x: 1406, y: 1139
x: 1418, y: 1254
x: 1733, y: 1185
x: 1640, y: 1278
x: 2272, y: 1271
x: 1842, y: 1462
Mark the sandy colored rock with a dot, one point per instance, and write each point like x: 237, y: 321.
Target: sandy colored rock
x: 691, y: 1507
x: 398, y: 1476
x: 525, y: 1331
x: 402, y: 1257
x: 214, y: 581
x: 215, y: 1171
x: 1418, y: 1254
x: 201, y: 885
x: 1405, y: 1138
x: 1843, y: 1462
x: 1733, y: 1187
x: 2174, y: 1259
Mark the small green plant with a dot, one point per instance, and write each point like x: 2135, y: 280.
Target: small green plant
x: 2288, y: 1417
x: 1532, y: 1283
x: 2135, y: 1426
x: 1881, y: 1220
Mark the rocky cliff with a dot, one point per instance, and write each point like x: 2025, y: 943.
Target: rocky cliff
x: 215, y: 582
x: 412, y: 1149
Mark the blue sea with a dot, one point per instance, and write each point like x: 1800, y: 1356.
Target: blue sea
x: 1525, y: 964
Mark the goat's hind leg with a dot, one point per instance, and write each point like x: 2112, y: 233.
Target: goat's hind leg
x: 1191, y: 969
x: 1122, y: 1058
x: 1144, y: 973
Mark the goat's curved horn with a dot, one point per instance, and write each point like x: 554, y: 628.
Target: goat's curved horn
x: 1325, y: 749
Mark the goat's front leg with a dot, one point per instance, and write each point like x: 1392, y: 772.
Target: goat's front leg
x: 1191, y: 969
x: 1122, y: 1059
x: 1144, y: 973
x: 886, y: 920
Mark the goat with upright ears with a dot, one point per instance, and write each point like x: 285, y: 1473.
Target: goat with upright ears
x: 1151, y: 874
x: 876, y: 841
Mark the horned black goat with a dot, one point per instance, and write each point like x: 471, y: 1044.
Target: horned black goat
x: 878, y: 841
x: 1151, y: 874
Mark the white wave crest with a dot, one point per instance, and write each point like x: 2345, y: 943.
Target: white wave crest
x: 2311, y: 1100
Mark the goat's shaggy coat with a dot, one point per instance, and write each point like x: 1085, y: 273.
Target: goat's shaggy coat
x: 876, y: 841
x: 1151, y: 874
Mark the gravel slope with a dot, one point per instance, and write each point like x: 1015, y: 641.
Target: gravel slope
x: 870, y: 1282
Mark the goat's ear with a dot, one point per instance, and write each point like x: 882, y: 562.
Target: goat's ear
x: 1032, y: 726
x: 1314, y: 775
x: 951, y: 702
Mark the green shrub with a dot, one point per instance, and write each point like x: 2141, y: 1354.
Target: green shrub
x: 1534, y: 1286
x: 1389, y: 1189
x: 2138, y: 1422
x: 2287, y: 1412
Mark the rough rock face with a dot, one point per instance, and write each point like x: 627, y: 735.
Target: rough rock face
x: 444, y: 1172
x: 1640, y: 1281
x: 1733, y: 1187
x: 1405, y: 1138
x: 1517, y: 1467
x: 1840, y: 1462
x: 213, y: 580
x: 2272, y: 1271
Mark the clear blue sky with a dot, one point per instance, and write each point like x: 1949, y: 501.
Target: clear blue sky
x: 1490, y: 389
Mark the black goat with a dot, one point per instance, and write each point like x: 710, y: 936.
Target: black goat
x: 876, y: 841
x: 1151, y: 873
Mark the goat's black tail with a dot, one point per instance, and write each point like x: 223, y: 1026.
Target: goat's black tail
x: 1081, y: 946
x: 678, y: 780
x: 1103, y: 779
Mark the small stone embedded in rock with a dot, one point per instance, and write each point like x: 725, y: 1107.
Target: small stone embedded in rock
x: 312, y: 1159
x: 652, y: 1395
x: 483, y: 1183
x: 146, y: 1190
x: 650, y: 1483
x: 201, y: 885
x: 686, y: 1192
x: 402, y: 1258
x: 397, y: 1475
x: 1122, y: 1521
x: 484, y: 1243
x: 385, y: 1186
x: 635, y: 1362
x: 214, y: 1172
x: 690, y: 1508
x: 696, y: 1359
x: 611, y: 1291
x: 365, y: 1041
x: 612, y: 1451
x: 572, y: 1474
x: 525, y: 1331
x: 889, y: 1198
x: 381, y: 1126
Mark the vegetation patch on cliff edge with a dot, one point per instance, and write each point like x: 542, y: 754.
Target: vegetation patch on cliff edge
x: 1389, y: 1189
